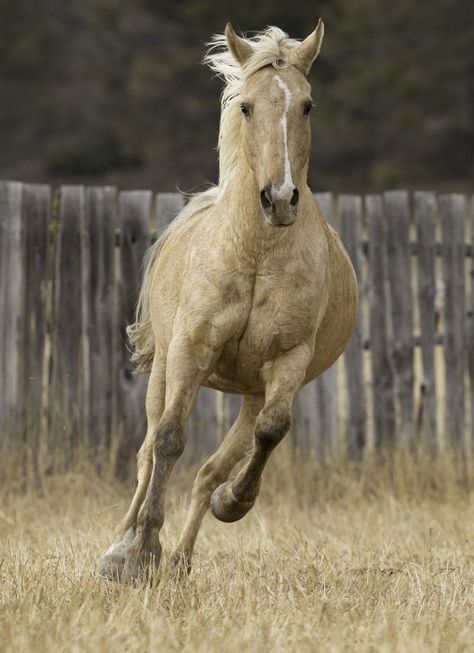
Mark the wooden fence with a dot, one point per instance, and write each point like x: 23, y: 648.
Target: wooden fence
x: 70, y: 266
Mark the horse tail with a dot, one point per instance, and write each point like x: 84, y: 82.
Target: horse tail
x: 140, y: 333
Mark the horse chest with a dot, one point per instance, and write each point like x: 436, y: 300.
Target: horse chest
x: 279, y: 314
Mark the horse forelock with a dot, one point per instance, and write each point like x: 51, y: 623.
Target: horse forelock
x: 270, y: 47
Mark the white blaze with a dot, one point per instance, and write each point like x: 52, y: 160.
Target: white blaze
x: 287, y: 188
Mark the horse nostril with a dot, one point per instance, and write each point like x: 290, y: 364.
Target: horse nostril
x: 295, y: 197
x: 266, y: 198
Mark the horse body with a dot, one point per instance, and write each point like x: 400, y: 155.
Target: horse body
x: 249, y: 291
x: 254, y: 303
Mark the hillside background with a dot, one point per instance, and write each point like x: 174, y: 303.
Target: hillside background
x: 113, y: 91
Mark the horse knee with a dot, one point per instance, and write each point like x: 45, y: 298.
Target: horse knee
x: 169, y: 440
x: 144, y: 455
x: 272, y: 425
x: 208, y: 477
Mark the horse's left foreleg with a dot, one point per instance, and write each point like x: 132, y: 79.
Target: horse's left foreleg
x: 283, y: 378
x: 235, y: 446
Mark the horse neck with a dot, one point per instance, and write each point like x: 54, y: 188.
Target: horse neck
x: 242, y: 215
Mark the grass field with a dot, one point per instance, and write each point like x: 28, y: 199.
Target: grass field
x: 330, y: 559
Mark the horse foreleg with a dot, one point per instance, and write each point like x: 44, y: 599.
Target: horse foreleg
x: 183, y: 377
x: 112, y: 563
x: 283, y: 378
x: 234, y: 447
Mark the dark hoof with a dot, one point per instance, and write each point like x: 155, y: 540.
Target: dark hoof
x: 112, y: 564
x: 141, y: 564
x: 224, y: 505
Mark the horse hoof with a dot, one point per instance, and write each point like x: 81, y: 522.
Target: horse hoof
x: 112, y: 564
x: 225, y: 506
x: 140, y: 564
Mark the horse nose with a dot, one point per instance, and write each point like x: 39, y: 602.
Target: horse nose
x: 279, y: 205
x: 295, y: 197
x: 266, y: 198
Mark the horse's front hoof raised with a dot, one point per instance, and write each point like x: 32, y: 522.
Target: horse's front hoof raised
x: 225, y: 506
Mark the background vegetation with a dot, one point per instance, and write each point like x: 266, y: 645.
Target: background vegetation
x: 113, y: 90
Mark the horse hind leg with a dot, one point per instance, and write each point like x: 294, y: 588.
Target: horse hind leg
x: 234, y: 447
x: 113, y: 561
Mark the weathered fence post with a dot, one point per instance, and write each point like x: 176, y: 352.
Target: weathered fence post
x: 102, y: 314
x: 350, y: 217
x: 67, y: 398
x: 12, y: 291
x: 471, y: 326
x: 134, y: 222
x: 453, y: 211
x: 37, y: 214
x: 167, y: 207
x: 425, y: 216
x: 399, y: 274
x: 383, y: 401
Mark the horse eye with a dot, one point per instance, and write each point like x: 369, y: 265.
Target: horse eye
x: 245, y: 110
x: 307, y: 108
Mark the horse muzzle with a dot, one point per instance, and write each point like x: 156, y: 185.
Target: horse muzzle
x: 279, y: 212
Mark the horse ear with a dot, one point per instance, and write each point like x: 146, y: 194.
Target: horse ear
x: 240, y: 48
x: 307, y: 51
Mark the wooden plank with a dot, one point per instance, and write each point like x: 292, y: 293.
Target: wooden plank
x: 383, y: 400
x: 4, y: 224
x: 425, y: 216
x: 133, y: 220
x: 167, y: 207
x: 306, y: 428
x: 470, y: 343
x: 452, y: 211
x: 67, y: 388
x: 36, y: 217
x: 399, y: 275
x: 327, y: 387
x: 102, y: 324
x: 350, y: 219
x: 4, y: 249
x: 11, y: 308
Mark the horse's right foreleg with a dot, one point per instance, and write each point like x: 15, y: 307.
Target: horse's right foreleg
x: 187, y: 366
x: 114, y: 559
x: 155, y: 401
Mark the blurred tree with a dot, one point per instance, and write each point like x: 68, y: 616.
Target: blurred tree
x: 113, y: 90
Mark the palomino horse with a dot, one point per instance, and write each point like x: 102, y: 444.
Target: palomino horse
x: 248, y: 291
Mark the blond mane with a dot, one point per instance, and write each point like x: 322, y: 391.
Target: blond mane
x: 270, y: 47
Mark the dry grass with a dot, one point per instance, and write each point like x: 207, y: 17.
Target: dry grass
x: 334, y: 560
